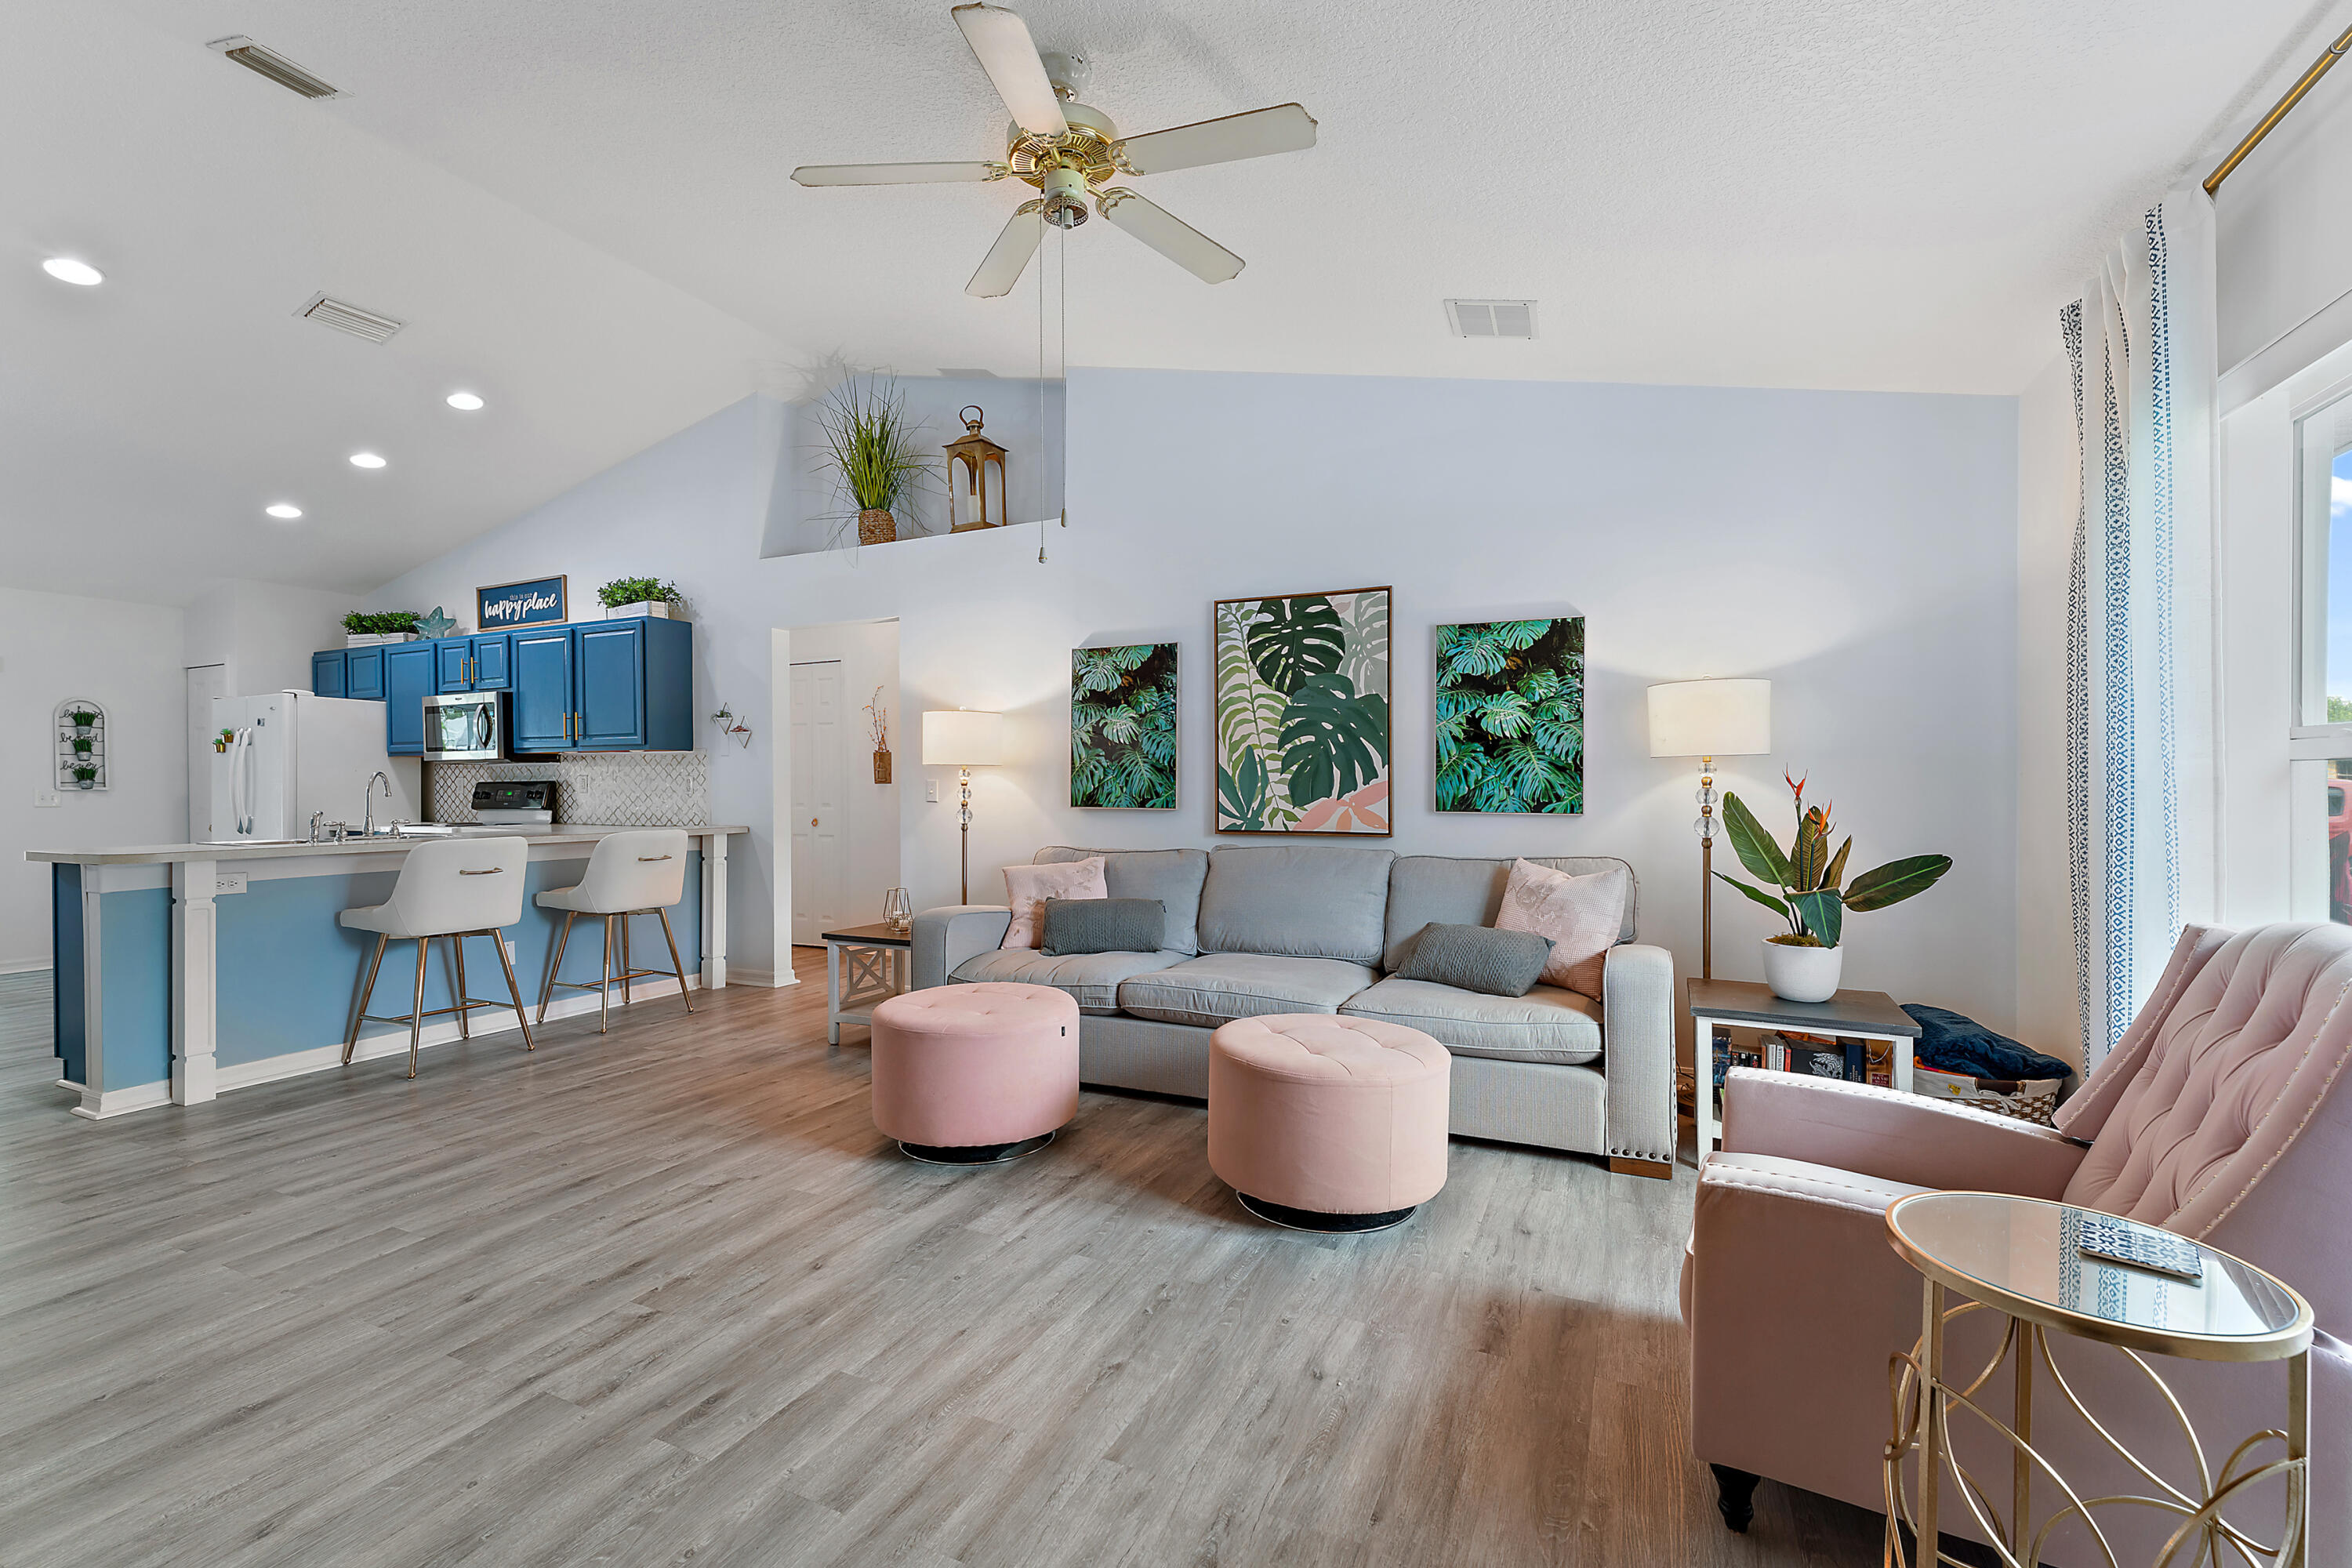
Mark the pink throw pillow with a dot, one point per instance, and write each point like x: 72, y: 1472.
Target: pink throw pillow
x: 1581, y: 914
x: 1026, y: 888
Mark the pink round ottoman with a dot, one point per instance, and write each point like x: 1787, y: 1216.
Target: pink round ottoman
x: 1325, y: 1123
x: 964, y: 1074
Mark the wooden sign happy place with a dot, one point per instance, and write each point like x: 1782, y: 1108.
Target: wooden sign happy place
x: 532, y: 604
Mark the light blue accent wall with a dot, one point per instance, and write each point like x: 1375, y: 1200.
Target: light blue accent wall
x: 65, y: 933
x: 134, y: 987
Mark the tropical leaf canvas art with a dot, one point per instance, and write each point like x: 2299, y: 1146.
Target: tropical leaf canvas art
x: 1510, y: 716
x: 1123, y: 726
x: 1303, y: 713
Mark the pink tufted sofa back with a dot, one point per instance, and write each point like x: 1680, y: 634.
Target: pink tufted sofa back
x: 2214, y: 1118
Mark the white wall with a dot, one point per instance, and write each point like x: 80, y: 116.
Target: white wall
x: 1859, y: 549
x: 126, y: 657
x: 265, y: 633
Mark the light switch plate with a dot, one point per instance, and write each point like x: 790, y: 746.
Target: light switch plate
x: 45, y: 798
x: 930, y: 791
x: 227, y: 882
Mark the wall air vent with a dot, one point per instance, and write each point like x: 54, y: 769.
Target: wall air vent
x: 346, y: 317
x: 1491, y: 318
x: 276, y: 67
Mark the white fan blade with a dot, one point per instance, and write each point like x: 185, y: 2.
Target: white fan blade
x: 1000, y: 40
x: 1170, y: 236
x: 1002, y: 268
x: 1286, y: 128
x: 896, y: 173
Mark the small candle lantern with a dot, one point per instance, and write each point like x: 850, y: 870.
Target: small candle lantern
x: 971, y: 459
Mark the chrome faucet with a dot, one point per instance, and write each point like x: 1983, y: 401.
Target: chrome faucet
x: 318, y: 826
x: 367, y: 809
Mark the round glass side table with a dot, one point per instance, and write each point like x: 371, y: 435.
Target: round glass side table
x: 2024, y: 1257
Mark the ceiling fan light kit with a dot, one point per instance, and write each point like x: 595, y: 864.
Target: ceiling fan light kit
x: 1070, y: 152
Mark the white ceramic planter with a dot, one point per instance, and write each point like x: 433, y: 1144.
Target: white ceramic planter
x: 658, y: 608
x: 1802, y: 974
x: 376, y: 639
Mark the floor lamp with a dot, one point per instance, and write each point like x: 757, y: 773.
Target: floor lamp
x: 1707, y: 719
x: 963, y: 738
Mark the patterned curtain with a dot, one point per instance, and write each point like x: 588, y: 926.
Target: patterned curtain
x: 2123, y: 341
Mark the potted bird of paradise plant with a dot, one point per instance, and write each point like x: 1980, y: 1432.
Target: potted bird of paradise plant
x: 1803, y: 962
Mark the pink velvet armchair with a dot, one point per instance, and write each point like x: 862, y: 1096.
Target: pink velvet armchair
x: 2218, y: 1116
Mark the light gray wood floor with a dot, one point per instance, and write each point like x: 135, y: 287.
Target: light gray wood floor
x: 666, y: 1296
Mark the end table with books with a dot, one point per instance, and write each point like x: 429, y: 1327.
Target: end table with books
x: 1866, y: 1017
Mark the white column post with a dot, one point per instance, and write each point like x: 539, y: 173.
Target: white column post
x: 195, y: 946
x: 93, y: 1024
x: 714, y: 910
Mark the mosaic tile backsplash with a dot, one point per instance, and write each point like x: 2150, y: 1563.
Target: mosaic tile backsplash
x: 634, y: 789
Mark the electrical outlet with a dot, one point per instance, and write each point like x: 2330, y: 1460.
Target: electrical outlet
x: 44, y: 799
x: 930, y: 792
x: 511, y: 953
x: 226, y: 882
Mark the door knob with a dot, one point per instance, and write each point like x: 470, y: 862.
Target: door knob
x: 812, y: 822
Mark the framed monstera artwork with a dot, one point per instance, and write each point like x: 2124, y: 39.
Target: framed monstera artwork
x: 1123, y: 726
x: 1303, y: 713
x: 1510, y: 716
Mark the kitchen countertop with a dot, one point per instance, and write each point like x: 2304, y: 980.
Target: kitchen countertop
x: 383, y: 844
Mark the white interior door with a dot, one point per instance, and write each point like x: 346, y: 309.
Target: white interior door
x: 206, y: 681
x: 819, y: 801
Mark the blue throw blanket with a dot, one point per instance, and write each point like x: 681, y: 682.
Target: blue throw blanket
x: 1952, y: 1043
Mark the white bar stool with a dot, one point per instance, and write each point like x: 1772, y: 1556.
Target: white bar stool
x: 628, y: 874
x: 454, y: 888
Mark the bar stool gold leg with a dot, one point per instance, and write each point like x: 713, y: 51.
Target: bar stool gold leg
x: 457, y: 968
x: 548, y: 989
x: 671, y: 937
x: 352, y: 1040
x: 605, y: 984
x: 513, y: 990
x: 628, y: 965
x: 416, y: 1013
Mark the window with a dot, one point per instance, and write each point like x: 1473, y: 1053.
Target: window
x: 2320, y: 745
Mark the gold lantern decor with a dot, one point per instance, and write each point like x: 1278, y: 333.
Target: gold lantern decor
x: 971, y: 459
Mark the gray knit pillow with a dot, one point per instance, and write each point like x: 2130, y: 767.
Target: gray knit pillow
x: 1478, y: 958
x: 1103, y: 925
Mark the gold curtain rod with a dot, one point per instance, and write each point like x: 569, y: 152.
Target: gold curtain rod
x: 2268, y: 123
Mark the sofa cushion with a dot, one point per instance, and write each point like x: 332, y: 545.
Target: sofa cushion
x: 1171, y: 876
x: 1296, y: 902
x: 1546, y: 1025
x: 1478, y: 958
x: 1450, y: 890
x: 1026, y: 888
x: 1104, y: 925
x: 1092, y: 978
x: 1211, y: 990
x: 1582, y: 915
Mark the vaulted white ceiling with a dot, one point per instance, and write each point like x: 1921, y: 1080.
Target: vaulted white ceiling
x: 583, y: 208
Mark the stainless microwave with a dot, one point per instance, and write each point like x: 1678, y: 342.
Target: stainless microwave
x: 466, y: 727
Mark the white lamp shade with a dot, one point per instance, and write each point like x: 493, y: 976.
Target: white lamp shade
x: 1711, y: 718
x: 960, y: 738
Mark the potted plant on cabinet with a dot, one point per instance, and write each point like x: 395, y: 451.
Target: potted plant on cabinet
x: 626, y: 596
x: 1803, y: 964
x: 869, y: 444
x: 366, y: 628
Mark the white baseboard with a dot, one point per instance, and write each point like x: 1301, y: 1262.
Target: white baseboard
x: 25, y: 966
x: 753, y: 975
x: 122, y: 1101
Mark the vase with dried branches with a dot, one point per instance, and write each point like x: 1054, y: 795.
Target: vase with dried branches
x: 877, y: 719
x: 870, y: 445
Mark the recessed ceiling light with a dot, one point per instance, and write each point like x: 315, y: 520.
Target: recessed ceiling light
x: 366, y: 460
x: 66, y: 270
x: 284, y: 510
x: 466, y: 401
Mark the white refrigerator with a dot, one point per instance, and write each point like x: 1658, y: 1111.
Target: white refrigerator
x: 289, y: 754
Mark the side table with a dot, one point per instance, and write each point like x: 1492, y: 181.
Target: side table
x: 1856, y: 1015
x: 2021, y: 1257
x: 863, y: 965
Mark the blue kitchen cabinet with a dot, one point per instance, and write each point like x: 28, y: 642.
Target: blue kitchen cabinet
x: 612, y: 676
x: 472, y: 664
x: 453, y: 660
x: 542, y: 665
x: 407, y: 682
x: 363, y: 674
x: 493, y: 662
x: 327, y: 673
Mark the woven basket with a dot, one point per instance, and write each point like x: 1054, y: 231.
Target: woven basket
x: 2031, y: 1099
x: 877, y: 526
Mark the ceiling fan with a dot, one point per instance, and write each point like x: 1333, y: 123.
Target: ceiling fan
x: 1070, y: 150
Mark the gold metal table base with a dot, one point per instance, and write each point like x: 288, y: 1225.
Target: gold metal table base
x: 1924, y: 1399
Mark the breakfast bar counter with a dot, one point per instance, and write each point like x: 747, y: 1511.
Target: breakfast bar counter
x: 185, y: 970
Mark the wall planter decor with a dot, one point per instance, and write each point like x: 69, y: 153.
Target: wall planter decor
x: 1510, y: 716
x: 81, y: 730
x: 1123, y: 726
x: 537, y: 603
x: 877, y: 719
x: 1303, y: 719
x: 627, y: 596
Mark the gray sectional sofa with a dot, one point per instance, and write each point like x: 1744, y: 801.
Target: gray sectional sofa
x: 1322, y: 929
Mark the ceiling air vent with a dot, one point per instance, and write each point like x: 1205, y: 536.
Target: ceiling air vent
x: 1491, y: 318
x: 346, y: 317
x: 276, y: 67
